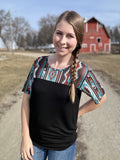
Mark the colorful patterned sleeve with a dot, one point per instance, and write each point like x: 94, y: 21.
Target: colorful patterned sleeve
x: 29, y: 80
x: 92, y: 87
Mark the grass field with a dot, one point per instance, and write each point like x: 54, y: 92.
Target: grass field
x: 13, y: 72
x: 14, y: 69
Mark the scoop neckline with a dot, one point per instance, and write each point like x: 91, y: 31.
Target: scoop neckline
x: 57, y: 68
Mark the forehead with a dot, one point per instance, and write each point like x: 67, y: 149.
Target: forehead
x: 64, y: 26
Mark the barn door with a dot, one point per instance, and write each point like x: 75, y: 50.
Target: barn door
x: 106, y: 47
x: 92, y: 48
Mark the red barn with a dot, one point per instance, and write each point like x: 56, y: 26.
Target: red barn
x: 96, y: 37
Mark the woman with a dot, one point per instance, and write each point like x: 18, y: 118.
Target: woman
x: 52, y: 92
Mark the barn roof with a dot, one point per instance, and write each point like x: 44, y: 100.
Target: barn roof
x: 93, y: 18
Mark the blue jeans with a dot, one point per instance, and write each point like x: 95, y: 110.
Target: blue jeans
x: 67, y: 154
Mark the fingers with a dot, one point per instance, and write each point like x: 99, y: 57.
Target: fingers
x: 26, y: 156
x: 29, y: 156
x: 27, y: 149
x: 32, y: 151
x: 21, y: 155
x: 77, y: 130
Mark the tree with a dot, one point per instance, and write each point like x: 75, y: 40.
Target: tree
x: 29, y: 40
x: 4, y: 27
x: 20, y: 28
x: 117, y: 34
x: 46, y: 25
x: 35, y: 40
x: 114, y: 33
x: 21, y: 40
x: 110, y: 32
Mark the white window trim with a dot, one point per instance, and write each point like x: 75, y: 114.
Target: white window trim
x: 97, y: 27
x: 86, y: 27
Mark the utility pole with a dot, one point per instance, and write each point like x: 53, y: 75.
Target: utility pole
x: 11, y: 33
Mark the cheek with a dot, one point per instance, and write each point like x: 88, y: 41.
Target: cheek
x: 74, y: 43
x: 55, y: 38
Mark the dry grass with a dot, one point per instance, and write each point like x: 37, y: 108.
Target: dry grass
x: 13, y: 72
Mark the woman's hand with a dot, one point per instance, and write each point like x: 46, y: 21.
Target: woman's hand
x: 26, y: 144
x: 26, y: 148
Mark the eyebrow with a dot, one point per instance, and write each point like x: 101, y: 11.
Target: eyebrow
x: 67, y: 33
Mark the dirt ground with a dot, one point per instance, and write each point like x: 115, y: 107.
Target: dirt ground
x: 99, y: 130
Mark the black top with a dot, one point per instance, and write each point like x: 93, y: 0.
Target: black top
x: 52, y: 115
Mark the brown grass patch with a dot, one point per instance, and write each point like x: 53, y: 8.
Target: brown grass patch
x: 13, y: 72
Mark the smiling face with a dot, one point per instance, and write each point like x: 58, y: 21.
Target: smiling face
x: 64, y: 38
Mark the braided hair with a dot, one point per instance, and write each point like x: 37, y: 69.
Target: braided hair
x: 73, y: 72
x: 74, y: 19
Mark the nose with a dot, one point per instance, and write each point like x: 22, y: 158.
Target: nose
x: 63, y: 40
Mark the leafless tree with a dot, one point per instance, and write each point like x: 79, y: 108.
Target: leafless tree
x: 29, y: 40
x: 35, y: 40
x: 20, y: 29
x: 46, y: 25
x: 117, y: 35
x: 114, y: 33
x: 21, y: 40
x: 4, y: 28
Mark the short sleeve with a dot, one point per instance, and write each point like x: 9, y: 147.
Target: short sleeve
x: 92, y: 87
x: 29, y: 80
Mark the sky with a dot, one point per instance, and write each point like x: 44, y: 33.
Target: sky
x: 106, y: 11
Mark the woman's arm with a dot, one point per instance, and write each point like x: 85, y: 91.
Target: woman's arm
x: 25, y: 116
x: 26, y: 144
x: 89, y: 106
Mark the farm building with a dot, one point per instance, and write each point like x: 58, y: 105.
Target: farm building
x: 96, y: 37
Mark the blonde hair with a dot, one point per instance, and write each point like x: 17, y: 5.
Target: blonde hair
x: 74, y: 19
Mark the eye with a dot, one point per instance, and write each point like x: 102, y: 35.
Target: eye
x: 58, y: 33
x: 70, y: 36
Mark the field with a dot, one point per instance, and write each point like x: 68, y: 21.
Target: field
x: 13, y: 72
x: 14, y: 69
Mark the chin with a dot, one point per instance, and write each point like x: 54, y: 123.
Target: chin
x: 62, y: 54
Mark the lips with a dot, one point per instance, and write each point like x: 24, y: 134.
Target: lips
x: 62, y: 48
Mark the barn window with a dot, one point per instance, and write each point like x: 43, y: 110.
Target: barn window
x: 91, y: 37
x: 84, y: 45
x: 98, y: 40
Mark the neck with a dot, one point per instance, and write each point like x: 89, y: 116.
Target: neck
x: 57, y: 61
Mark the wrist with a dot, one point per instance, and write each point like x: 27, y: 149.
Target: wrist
x: 25, y: 135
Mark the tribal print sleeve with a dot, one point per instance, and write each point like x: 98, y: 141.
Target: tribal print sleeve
x: 29, y: 80
x: 92, y: 87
